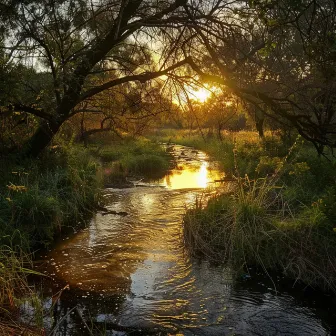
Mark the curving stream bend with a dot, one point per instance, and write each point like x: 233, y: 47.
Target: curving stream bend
x: 132, y: 275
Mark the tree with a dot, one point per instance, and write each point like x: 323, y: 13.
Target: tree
x: 85, y: 47
x: 129, y: 108
x: 278, y: 56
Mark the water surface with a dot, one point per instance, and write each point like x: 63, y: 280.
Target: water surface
x: 133, y: 275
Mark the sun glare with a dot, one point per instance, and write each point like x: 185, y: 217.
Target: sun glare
x: 200, y: 95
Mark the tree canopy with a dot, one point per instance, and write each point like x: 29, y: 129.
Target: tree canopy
x: 278, y: 57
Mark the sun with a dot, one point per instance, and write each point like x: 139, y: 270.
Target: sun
x: 200, y: 95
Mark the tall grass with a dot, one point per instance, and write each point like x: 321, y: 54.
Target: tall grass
x: 15, y: 266
x: 253, y: 226
x: 132, y: 157
x: 40, y: 198
x: 281, y: 217
x: 238, y: 226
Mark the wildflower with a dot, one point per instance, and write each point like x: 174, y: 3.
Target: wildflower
x: 17, y: 188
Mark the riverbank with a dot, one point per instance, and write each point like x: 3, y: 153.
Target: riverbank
x: 281, y: 213
x: 56, y: 194
x: 39, y: 201
x: 41, y: 198
x: 131, y: 159
x: 130, y: 271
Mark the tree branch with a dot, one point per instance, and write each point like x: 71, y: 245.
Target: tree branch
x: 142, y: 78
x: 31, y: 110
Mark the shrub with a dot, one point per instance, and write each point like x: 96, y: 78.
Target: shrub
x: 268, y: 165
x: 146, y: 164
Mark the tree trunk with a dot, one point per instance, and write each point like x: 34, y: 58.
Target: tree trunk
x: 41, y: 139
x: 259, y: 122
x: 219, y: 132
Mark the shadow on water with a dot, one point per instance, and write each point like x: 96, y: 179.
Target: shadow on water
x: 132, y: 275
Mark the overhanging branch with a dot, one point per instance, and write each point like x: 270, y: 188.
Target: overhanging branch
x: 142, y: 78
x: 31, y: 110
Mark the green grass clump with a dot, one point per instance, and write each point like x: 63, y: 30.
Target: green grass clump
x: 40, y: 198
x: 238, y: 226
x: 253, y: 226
x: 132, y: 157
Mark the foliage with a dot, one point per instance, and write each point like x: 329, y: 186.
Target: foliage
x: 268, y: 165
x: 274, y: 61
x: 41, y: 198
x: 280, y: 215
x: 132, y: 158
x: 77, y: 51
x: 280, y: 64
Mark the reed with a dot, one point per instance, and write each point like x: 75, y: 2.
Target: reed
x: 15, y: 266
x: 282, y: 219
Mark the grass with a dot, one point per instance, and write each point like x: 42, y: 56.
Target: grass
x: 39, y: 200
x: 42, y: 198
x: 15, y: 266
x: 237, y: 226
x: 280, y: 214
x: 253, y: 226
x: 129, y: 157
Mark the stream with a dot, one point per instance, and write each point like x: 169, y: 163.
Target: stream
x: 129, y: 272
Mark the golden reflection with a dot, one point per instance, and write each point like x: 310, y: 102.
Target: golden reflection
x: 190, y: 177
x: 146, y: 200
x: 202, y: 178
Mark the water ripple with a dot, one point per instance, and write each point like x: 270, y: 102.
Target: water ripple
x: 133, y: 272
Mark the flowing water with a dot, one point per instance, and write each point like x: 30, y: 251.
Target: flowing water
x: 129, y: 272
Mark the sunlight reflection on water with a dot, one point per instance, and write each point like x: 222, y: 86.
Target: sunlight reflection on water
x: 187, y: 176
x: 134, y: 271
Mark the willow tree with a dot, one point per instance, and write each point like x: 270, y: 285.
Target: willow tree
x: 85, y: 47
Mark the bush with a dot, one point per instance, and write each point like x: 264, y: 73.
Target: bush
x: 268, y: 165
x: 135, y: 157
